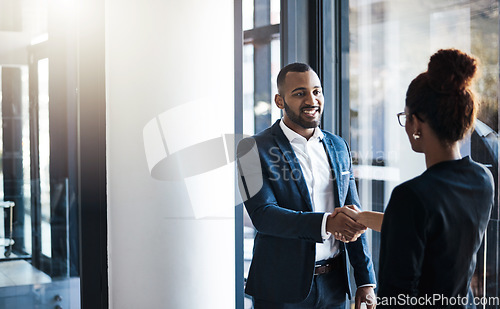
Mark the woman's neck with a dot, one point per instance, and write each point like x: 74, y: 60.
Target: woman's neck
x: 440, y: 153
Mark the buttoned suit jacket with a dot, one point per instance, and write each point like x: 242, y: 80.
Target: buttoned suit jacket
x: 279, y: 205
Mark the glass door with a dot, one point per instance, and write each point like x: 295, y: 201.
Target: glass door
x: 39, y: 225
x: 15, y: 197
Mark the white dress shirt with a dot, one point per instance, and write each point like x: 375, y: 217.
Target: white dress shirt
x: 317, y: 174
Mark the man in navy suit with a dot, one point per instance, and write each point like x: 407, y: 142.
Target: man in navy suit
x: 291, y: 190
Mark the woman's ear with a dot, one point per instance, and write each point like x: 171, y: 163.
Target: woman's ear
x: 280, y: 103
x: 417, y: 123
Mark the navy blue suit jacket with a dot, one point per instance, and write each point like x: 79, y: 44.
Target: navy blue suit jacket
x: 278, y: 202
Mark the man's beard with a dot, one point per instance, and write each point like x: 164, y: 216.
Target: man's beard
x: 299, y: 121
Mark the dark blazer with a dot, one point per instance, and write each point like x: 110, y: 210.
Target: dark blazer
x: 432, y: 229
x: 287, y: 228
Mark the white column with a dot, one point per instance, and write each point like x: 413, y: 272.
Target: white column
x: 169, y: 84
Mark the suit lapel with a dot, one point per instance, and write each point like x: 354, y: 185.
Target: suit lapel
x: 333, y: 157
x: 296, y: 171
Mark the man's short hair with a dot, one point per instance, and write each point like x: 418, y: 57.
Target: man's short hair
x: 292, y: 67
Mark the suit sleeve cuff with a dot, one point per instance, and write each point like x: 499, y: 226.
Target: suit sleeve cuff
x: 365, y: 285
x: 324, y: 234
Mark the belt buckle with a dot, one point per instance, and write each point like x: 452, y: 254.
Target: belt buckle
x: 321, y: 269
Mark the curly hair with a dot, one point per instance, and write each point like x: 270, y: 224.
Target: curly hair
x: 442, y: 95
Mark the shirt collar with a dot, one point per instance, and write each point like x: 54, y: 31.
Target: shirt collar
x: 482, y: 129
x: 292, y: 135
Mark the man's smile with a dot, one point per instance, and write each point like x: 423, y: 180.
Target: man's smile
x: 310, y: 111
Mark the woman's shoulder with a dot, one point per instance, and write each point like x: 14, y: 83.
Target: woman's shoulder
x: 412, y: 193
x: 484, y: 177
x: 482, y: 170
x: 436, y: 183
x: 465, y: 171
x: 414, y: 185
x: 407, y: 201
x: 408, y: 190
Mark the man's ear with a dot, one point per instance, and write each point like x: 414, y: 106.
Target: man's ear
x: 280, y: 103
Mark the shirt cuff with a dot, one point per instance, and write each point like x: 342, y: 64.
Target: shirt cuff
x: 370, y: 284
x: 324, y: 234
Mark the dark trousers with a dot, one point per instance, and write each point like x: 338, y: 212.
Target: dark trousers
x: 327, y: 292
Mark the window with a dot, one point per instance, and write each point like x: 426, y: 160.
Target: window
x: 366, y: 52
x: 390, y: 44
x: 53, y: 184
x: 261, y: 64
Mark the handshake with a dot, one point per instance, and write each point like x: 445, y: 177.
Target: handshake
x: 349, y: 222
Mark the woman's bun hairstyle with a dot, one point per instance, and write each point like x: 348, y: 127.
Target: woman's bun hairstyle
x: 442, y: 95
x: 451, y: 70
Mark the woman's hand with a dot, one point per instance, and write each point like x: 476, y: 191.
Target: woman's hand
x: 342, y: 224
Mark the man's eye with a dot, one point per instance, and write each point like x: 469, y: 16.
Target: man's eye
x: 316, y: 92
x: 299, y: 94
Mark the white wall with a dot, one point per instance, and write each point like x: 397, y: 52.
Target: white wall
x: 169, y: 81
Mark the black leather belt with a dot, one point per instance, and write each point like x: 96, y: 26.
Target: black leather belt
x: 324, y: 267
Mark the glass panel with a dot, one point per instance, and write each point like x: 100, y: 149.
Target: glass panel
x: 261, y: 65
x: 275, y: 69
x: 1, y: 144
x: 262, y: 13
x: 3, y: 227
x: 41, y: 267
x: 250, y: 109
x: 275, y: 12
x: 44, y: 151
x: 390, y: 44
x: 248, y: 129
x: 26, y: 160
x: 248, y: 90
x: 14, y: 239
x: 247, y: 7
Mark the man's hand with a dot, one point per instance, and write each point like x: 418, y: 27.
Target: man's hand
x: 343, y: 227
x: 350, y: 210
x: 366, y: 295
x: 370, y: 219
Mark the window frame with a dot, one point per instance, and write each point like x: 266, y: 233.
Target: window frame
x: 94, y: 291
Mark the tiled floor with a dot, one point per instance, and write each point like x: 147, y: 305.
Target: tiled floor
x: 20, y: 272
x: 22, y: 286
x: 61, y: 293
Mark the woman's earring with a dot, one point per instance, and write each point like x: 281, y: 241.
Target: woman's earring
x: 416, y: 135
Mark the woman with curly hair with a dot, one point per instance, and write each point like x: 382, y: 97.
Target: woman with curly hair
x: 434, y: 223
